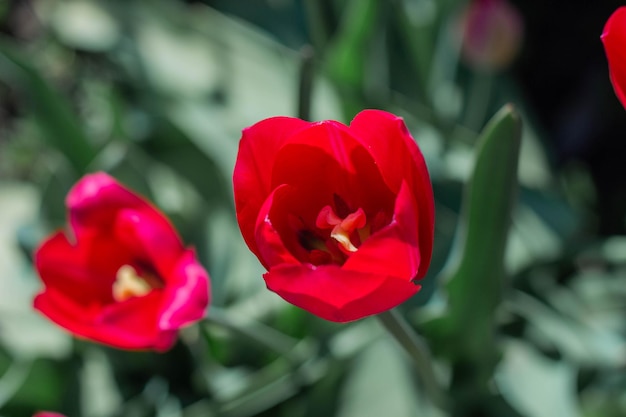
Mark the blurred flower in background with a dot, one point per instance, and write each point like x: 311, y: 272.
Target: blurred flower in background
x: 491, y: 33
x: 121, y: 276
x: 341, y: 217
x: 48, y: 414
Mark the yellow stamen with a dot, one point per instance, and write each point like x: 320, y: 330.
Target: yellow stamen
x: 341, y: 236
x: 129, y: 284
x: 341, y: 228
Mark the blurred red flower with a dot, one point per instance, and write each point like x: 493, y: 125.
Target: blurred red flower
x: 47, y: 414
x: 614, y: 39
x: 122, y: 276
x: 491, y: 34
x: 341, y: 217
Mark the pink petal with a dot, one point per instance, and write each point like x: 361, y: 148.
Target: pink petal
x: 186, y: 297
x: 96, y: 199
x: 150, y: 239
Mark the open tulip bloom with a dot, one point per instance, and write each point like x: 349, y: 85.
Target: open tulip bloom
x: 121, y: 275
x: 342, y: 217
x: 614, y: 39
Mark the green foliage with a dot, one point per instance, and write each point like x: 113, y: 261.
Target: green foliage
x: 52, y: 112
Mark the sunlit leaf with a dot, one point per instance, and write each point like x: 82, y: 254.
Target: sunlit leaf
x: 380, y: 383
x: 537, y: 386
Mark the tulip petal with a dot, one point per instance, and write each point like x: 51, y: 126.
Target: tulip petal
x: 126, y: 325
x: 253, y: 169
x: 393, y: 250
x: 336, y: 294
x: 135, y: 322
x: 96, y: 199
x: 614, y: 39
x: 153, y: 241
x: 187, y: 294
x: 83, y: 272
x: 325, y: 159
x: 271, y: 248
x: 398, y: 158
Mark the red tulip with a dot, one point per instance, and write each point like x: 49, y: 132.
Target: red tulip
x: 341, y: 217
x: 614, y: 39
x: 122, y: 276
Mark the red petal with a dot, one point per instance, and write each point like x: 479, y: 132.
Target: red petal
x: 393, y: 250
x: 614, y: 39
x: 96, y: 199
x: 135, y: 322
x: 398, y: 158
x: 83, y: 272
x: 127, y: 325
x: 336, y: 294
x: 187, y: 294
x: 151, y: 240
x: 326, y: 160
x: 253, y: 169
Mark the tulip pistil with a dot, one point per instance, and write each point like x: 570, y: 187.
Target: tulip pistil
x: 342, y: 229
x: 128, y: 284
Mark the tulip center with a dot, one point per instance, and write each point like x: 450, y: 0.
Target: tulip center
x: 347, y: 232
x: 129, y: 284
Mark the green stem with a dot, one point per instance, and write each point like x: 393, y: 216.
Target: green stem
x: 305, y: 90
x: 317, y: 22
x: 480, y: 91
x: 257, y: 332
x: 417, y: 349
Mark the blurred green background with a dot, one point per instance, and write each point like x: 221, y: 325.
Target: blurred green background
x: 525, y: 318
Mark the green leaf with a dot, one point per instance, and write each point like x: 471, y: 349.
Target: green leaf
x: 476, y: 265
x: 60, y: 127
x: 41, y: 384
x: 172, y: 147
x: 12, y: 380
x: 537, y: 386
x: 380, y: 383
